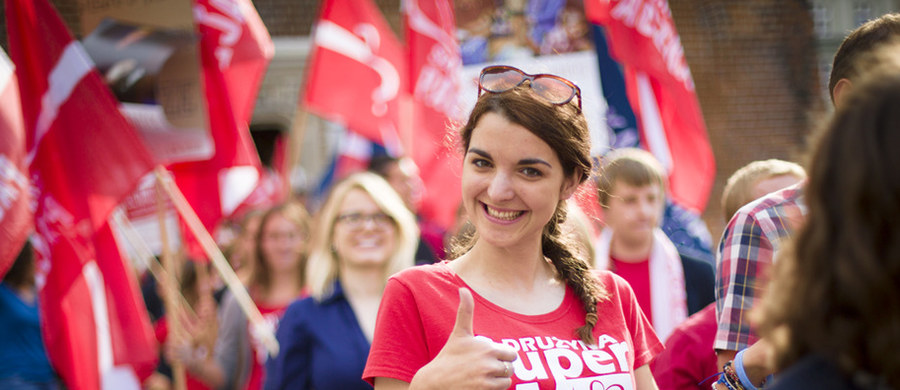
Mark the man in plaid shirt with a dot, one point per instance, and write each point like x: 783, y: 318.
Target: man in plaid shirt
x: 745, y: 253
x: 756, y: 231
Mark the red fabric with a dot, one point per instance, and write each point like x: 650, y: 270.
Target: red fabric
x: 272, y: 315
x: 86, y: 157
x: 638, y: 277
x: 235, y: 49
x: 550, y: 355
x: 356, y: 71
x: 434, y: 63
x: 15, y: 217
x: 689, y: 360
x: 642, y: 37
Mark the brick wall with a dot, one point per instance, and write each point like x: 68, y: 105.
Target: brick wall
x: 296, y: 17
x: 754, y: 67
x: 282, y: 17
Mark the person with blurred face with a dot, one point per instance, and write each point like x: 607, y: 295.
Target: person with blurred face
x: 832, y: 309
x: 276, y: 280
x: 403, y: 176
x: 669, y: 286
x: 25, y: 362
x: 755, y: 233
x: 689, y: 361
x: 365, y: 234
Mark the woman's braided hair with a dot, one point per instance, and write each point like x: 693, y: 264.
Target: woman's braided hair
x: 564, y: 129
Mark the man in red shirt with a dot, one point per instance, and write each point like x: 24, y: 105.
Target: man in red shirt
x: 669, y: 286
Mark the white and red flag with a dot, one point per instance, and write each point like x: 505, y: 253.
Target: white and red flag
x: 643, y: 39
x: 356, y: 75
x: 235, y: 49
x: 15, y: 217
x: 434, y: 64
x: 84, y: 157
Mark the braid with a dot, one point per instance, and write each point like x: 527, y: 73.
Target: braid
x: 575, y: 270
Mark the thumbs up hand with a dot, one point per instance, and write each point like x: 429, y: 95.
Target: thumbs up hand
x: 467, y: 361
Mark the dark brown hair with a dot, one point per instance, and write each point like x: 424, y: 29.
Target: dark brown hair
x: 859, y: 42
x: 836, y: 290
x: 564, y: 129
x: 21, y: 272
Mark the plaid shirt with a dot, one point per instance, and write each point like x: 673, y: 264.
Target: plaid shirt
x: 745, y: 253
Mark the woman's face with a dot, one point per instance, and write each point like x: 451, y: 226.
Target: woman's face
x: 512, y: 182
x: 364, y: 236
x: 282, y: 243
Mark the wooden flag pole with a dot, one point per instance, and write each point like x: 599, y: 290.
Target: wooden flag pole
x: 145, y: 254
x: 171, y: 290
x: 258, y: 325
x: 294, y: 148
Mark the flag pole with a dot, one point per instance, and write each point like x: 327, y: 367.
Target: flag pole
x: 294, y: 147
x: 171, y: 289
x: 145, y: 254
x: 258, y: 324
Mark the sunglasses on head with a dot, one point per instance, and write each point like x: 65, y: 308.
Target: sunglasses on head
x: 552, y: 88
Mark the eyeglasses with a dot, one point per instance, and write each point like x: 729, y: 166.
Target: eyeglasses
x: 552, y: 88
x: 355, y: 220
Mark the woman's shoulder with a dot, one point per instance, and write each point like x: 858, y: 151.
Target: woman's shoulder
x: 427, y: 273
x: 300, y: 311
x: 423, y: 281
x: 614, y: 287
x: 608, y: 279
x: 302, y: 304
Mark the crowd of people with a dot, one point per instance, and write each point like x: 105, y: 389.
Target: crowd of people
x: 364, y: 293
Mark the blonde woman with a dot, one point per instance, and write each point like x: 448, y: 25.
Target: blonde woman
x: 364, y: 234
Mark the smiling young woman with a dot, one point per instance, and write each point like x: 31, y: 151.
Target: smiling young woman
x: 364, y: 234
x: 530, y: 311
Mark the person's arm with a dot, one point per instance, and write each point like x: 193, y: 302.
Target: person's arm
x: 465, y: 361
x: 222, y: 370
x: 382, y: 383
x: 756, y: 362
x: 643, y: 378
x: 192, y: 348
x: 744, y: 255
x: 724, y: 356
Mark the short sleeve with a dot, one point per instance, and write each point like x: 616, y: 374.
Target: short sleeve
x: 399, y: 346
x: 744, y: 254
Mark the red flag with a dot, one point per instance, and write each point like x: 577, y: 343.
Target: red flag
x: 83, y: 157
x: 356, y: 71
x: 643, y: 39
x: 434, y: 63
x: 15, y: 218
x: 235, y: 50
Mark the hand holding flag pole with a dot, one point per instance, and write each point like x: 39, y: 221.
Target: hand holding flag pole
x: 257, y: 324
